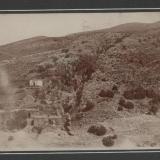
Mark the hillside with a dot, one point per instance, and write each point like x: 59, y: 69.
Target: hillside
x: 98, y: 76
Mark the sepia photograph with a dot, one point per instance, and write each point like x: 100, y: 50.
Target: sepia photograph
x: 80, y: 81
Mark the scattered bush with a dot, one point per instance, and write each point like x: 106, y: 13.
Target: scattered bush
x: 41, y: 68
x: 79, y: 95
x: 114, y: 136
x: 108, y: 141
x: 114, y: 88
x: 67, y: 107
x: 37, y: 130
x: 150, y: 93
x: 120, y: 108
x: 129, y: 94
x: 65, y: 50
x: 129, y: 105
x: 138, y: 93
x: 121, y: 102
x: 86, y: 65
x: 155, y: 100
x: 98, y: 130
x: 84, y: 42
x: 78, y: 116
x: 67, y: 55
x: 106, y: 93
x: 89, y: 106
x: 153, y: 110
x: 125, y: 104
x: 79, y: 50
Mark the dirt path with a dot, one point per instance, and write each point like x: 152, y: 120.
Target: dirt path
x: 139, y: 131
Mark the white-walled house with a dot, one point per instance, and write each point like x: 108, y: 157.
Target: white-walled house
x: 36, y: 83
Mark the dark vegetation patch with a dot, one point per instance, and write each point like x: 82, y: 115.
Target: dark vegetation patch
x: 121, y: 102
x: 106, y: 93
x: 150, y: 93
x: 65, y: 50
x: 98, y: 130
x: 155, y: 100
x: 115, y: 88
x: 108, y: 141
x: 86, y: 65
x: 137, y: 93
x: 129, y: 105
x: 126, y: 104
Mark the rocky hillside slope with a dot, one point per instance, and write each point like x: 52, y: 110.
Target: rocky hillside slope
x: 99, y: 74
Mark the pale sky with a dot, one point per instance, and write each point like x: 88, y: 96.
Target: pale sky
x: 14, y: 27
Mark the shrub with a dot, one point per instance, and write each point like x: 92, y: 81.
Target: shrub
x: 98, y: 130
x: 120, y: 108
x: 155, y: 100
x: 48, y: 65
x: 78, y: 116
x: 65, y: 50
x: 67, y: 107
x: 114, y: 88
x: 84, y: 42
x: 89, y: 106
x: 108, y: 141
x: 129, y: 94
x: 150, y: 93
x: 79, y: 50
x: 106, y: 93
x: 114, y: 136
x: 138, y: 93
x: 67, y: 55
x: 129, y: 105
x: 37, y: 129
x: 41, y: 68
x: 153, y: 110
x: 121, y: 102
x: 79, y: 95
x: 86, y: 65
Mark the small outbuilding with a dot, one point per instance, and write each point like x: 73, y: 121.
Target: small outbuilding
x: 36, y: 83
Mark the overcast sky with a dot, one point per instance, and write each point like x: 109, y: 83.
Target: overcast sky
x: 14, y: 27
